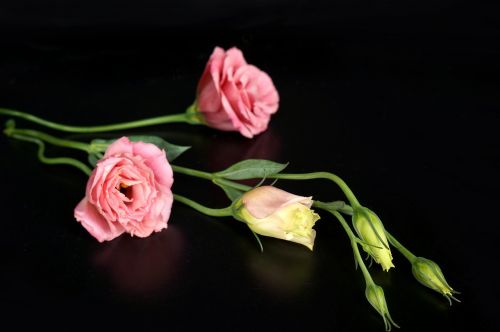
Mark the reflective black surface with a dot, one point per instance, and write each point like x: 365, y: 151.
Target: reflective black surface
x: 401, y: 101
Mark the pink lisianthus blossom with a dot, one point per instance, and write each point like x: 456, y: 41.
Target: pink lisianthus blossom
x: 273, y: 212
x: 235, y: 96
x: 129, y: 191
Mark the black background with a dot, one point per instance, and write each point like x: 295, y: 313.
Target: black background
x: 400, y: 98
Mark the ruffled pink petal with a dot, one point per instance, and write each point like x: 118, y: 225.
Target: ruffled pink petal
x: 122, y: 145
x: 232, y: 114
x: 215, y: 65
x: 95, y: 223
x: 157, y: 161
x: 208, y: 99
x: 219, y: 120
x: 232, y: 61
x: 157, y: 218
x: 208, y: 92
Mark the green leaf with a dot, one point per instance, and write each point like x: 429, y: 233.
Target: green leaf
x: 251, y: 169
x: 231, y: 193
x: 173, y: 151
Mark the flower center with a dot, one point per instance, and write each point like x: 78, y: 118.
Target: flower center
x: 126, y: 190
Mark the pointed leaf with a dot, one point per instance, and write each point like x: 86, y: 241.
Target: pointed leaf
x: 231, y: 193
x: 251, y: 169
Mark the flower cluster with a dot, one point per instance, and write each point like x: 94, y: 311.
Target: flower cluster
x: 129, y: 189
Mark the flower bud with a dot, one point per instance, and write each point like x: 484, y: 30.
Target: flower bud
x: 429, y: 274
x: 375, y: 295
x: 270, y: 211
x: 371, y: 231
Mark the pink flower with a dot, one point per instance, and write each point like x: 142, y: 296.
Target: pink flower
x: 128, y: 191
x: 235, y: 96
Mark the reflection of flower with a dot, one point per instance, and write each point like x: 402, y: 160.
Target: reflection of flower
x: 128, y: 191
x: 142, y: 267
x: 429, y: 274
x: 283, y: 270
x: 371, y: 230
x: 270, y: 211
x: 235, y: 96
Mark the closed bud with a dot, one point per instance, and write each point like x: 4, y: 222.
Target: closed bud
x: 429, y: 274
x: 273, y: 212
x: 376, y: 297
x: 371, y: 231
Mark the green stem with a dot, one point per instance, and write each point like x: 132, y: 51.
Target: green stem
x: 209, y: 176
x: 192, y: 172
x: 352, y: 238
x: 12, y: 132
x: 232, y: 184
x: 340, y: 206
x: 53, y: 161
x: 224, y: 212
x: 395, y: 243
x: 304, y: 176
x: 181, y: 117
x: 321, y: 175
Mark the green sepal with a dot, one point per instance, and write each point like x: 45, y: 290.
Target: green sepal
x: 259, y: 242
x: 93, y: 158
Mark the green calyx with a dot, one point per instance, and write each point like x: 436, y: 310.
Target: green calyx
x: 429, y: 274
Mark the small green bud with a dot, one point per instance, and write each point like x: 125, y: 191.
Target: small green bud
x: 375, y: 295
x: 371, y: 231
x: 429, y: 274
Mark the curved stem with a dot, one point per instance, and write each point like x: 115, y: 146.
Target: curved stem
x: 340, y: 206
x: 232, y: 184
x: 209, y: 176
x: 303, y: 176
x: 181, y: 117
x: 321, y: 175
x: 352, y: 238
x: 12, y: 132
x: 224, y: 212
x: 192, y: 172
x: 395, y: 243
x: 53, y: 161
